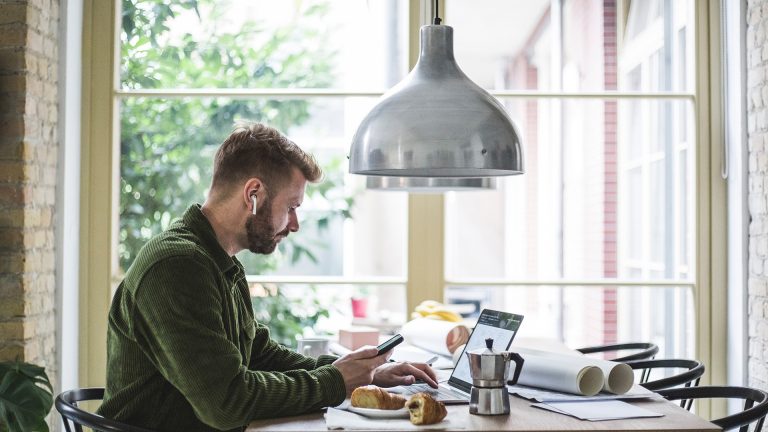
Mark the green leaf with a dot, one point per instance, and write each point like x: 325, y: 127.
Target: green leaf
x: 25, y: 397
x: 161, y: 139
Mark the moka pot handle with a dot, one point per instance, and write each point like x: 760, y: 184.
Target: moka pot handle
x: 515, y: 357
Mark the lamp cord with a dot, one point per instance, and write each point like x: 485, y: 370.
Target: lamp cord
x: 437, y: 18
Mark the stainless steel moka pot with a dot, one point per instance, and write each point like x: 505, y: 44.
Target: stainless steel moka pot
x: 490, y: 370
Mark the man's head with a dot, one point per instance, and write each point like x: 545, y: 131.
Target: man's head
x: 257, y: 161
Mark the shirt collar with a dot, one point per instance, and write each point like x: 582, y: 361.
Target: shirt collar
x: 199, y: 224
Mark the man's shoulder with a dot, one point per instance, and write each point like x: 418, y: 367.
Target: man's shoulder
x: 178, y: 242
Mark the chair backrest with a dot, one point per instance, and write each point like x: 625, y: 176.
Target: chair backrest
x: 689, y: 377
x: 75, y: 418
x: 646, y: 350
x: 694, y: 369
x: 755, y: 404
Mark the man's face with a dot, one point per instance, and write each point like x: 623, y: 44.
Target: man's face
x: 276, y: 216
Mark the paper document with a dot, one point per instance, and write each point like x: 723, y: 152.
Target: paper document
x: 598, y: 410
x: 408, y: 353
x: 338, y: 349
x: 543, y: 395
x: 403, y: 353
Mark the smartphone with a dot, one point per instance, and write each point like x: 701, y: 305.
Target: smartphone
x: 389, y: 344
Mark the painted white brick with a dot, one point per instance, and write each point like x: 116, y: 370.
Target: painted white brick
x: 757, y: 185
x: 762, y: 161
x: 757, y: 287
x: 762, y: 246
x: 756, y: 204
x: 765, y: 143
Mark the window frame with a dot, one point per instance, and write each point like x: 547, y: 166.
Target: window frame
x: 425, y: 271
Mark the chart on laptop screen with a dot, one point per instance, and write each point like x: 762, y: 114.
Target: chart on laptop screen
x: 500, y: 326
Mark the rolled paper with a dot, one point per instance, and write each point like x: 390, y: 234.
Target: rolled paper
x: 574, y: 373
x: 560, y: 375
x: 438, y: 336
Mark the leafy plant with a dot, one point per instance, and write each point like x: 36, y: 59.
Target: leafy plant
x: 26, y: 397
x: 287, y: 318
x: 167, y: 145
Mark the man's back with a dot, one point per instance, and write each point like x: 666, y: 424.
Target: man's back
x: 181, y: 336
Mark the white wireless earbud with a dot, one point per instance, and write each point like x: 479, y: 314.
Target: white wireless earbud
x: 253, y: 198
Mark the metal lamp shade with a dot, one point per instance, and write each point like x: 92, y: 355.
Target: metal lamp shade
x: 437, y: 123
x: 429, y: 184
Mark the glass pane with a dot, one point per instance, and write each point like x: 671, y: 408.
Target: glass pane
x: 598, y: 200
x: 263, y: 43
x: 528, y: 44
x: 587, y: 316
x: 167, y: 149
x: 292, y: 310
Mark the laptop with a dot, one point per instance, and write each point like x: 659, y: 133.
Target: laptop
x: 501, y: 326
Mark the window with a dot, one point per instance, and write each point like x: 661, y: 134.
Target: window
x: 312, y: 69
x: 600, y: 223
x: 617, y: 215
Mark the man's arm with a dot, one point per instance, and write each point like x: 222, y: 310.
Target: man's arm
x: 266, y: 354
x: 178, y: 322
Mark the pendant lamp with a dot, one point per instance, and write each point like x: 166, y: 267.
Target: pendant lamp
x: 437, y: 123
x: 429, y: 184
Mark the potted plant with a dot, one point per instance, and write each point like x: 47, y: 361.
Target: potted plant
x: 359, y: 301
x: 26, y: 397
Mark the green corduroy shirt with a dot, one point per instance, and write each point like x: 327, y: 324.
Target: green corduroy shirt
x: 184, y: 352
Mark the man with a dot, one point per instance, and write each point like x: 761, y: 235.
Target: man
x: 184, y: 351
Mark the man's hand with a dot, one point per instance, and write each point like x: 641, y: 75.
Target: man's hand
x: 358, y: 367
x: 392, y: 374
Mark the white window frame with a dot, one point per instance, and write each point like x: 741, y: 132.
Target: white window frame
x: 426, y: 276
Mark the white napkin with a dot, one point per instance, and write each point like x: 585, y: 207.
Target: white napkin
x: 340, y: 419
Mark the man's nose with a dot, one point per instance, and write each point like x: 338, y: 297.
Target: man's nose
x: 293, y: 222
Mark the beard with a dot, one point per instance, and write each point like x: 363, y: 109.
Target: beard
x: 262, y: 235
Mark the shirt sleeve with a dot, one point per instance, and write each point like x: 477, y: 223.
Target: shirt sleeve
x: 179, y: 324
x: 266, y: 354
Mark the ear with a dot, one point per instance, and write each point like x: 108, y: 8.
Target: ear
x: 253, y: 186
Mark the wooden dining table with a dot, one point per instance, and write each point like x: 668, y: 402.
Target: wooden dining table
x: 524, y: 417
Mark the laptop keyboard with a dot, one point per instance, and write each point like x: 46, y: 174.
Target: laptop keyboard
x: 438, y: 393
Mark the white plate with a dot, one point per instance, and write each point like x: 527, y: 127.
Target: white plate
x: 380, y: 413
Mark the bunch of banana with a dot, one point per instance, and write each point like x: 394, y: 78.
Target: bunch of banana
x: 435, y: 310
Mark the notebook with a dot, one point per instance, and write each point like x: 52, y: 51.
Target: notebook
x: 501, y: 326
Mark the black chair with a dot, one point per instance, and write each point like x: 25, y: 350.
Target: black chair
x: 693, y: 371
x: 690, y: 377
x: 755, y: 404
x: 647, y: 350
x: 66, y: 405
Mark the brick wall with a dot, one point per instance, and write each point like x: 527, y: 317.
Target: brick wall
x: 28, y: 159
x: 757, y: 133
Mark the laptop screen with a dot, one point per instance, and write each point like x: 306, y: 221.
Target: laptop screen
x: 501, y: 326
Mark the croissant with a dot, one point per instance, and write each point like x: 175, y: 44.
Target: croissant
x: 375, y: 397
x: 424, y: 409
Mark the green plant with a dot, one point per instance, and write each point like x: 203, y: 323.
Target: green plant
x: 167, y: 145
x: 26, y: 397
x: 361, y: 291
x: 286, y: 317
